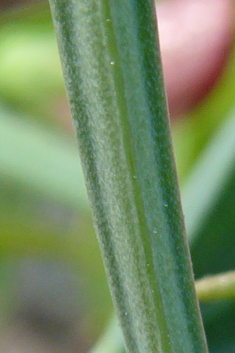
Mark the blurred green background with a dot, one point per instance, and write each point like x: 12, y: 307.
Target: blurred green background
x: 53, y: 292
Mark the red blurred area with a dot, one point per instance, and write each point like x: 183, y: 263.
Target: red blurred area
x: 196, y: 37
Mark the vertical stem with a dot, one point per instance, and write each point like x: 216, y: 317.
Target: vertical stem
x: 112, y: 70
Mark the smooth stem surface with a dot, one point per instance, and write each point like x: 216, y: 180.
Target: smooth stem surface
x: 113, y: 76
x: 217, y: 287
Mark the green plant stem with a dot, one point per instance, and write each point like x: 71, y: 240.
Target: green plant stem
x: 213, y: 174
x: 217, y: 287
x: 112, y: 70
x: 209, y: 289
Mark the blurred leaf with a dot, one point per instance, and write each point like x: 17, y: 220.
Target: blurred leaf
x: 41, y: 161
x: 209, y: 207
x: 192, y: 133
